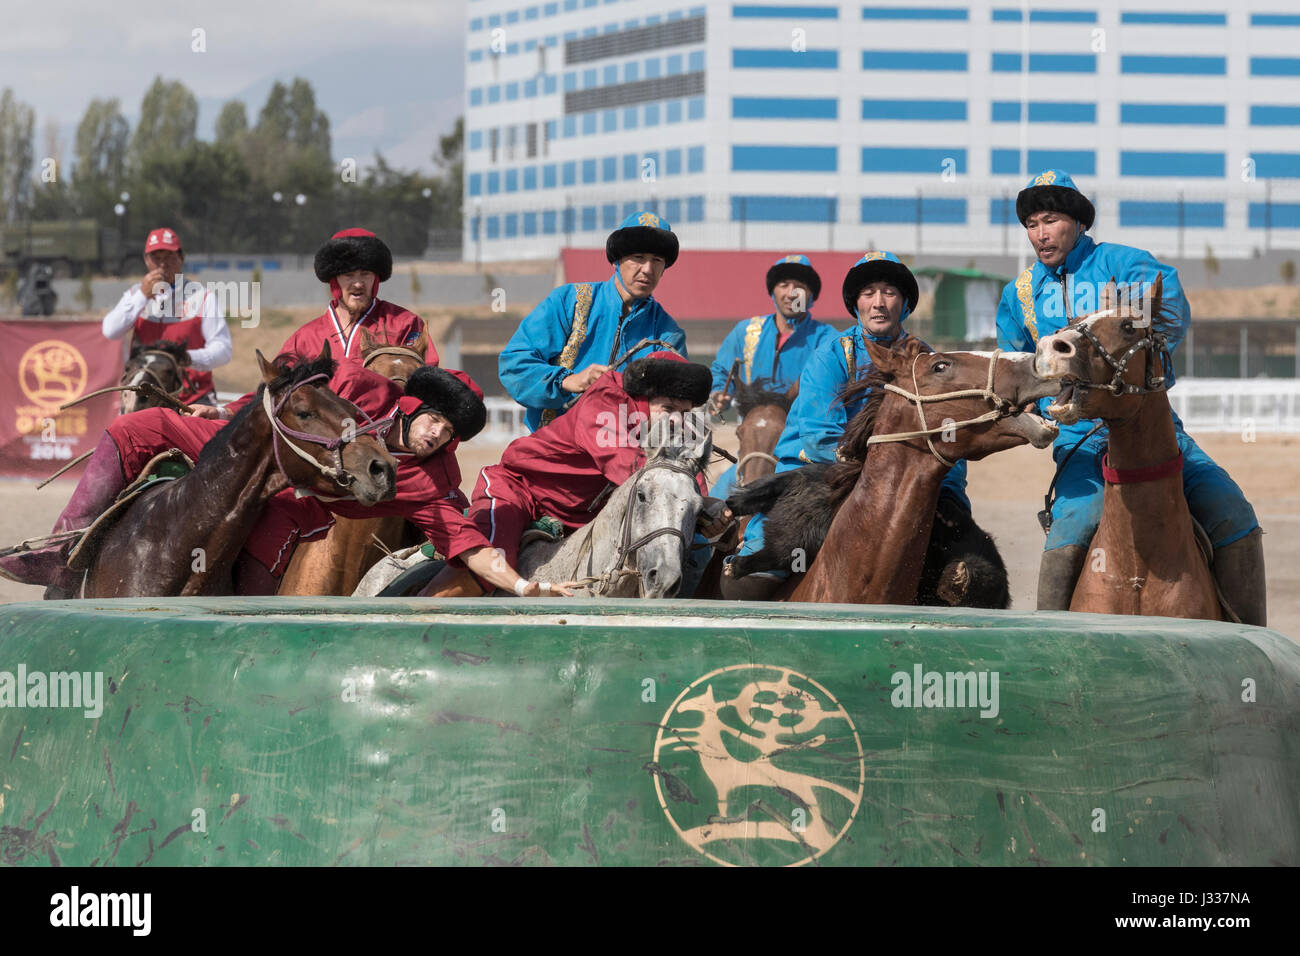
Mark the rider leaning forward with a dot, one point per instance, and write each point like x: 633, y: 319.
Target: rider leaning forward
x: 774, y: 347
x: 567, y: 469
x: 148, y: 312
x: 1064, y: 283
x: 880, y: 292
x: 578, y: 331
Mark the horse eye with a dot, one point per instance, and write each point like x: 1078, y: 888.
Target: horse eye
x: 940, y: 366
x: 640, y: 495
x: 304, y: 415
x: 1126, y: 326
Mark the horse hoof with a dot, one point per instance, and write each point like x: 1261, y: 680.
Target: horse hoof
x: 954, y: 583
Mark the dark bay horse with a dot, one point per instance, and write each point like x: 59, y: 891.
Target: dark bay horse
x: 336, y: 563
x: 762, y: 412
x: 1144, y: 557
x: 183, y: 538
x: 160, y: 364
x: 867, y: 531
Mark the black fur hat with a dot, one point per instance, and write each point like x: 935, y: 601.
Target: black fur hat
x: 350, y: 250
x: 642, y: 232
x: 452, y: 395
x: 1054, y: 191
x: 668, y: 377
x: 797, y: 268
x: 876, y: 267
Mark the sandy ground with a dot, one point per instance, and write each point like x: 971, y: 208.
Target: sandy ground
x: 1006, y: 492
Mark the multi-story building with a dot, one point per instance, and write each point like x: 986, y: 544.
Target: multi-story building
x: 845, y: 125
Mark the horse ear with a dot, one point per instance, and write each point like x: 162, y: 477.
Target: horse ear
x: 1157, y: 293
x: 699, y: 440
x: 1109, y: 298
x: 367, y: 343
x: 324, y: 352
x: 421, y: 344
x: 268, y: 370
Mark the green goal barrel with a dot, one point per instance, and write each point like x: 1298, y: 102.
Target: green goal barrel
x: 385, y: 732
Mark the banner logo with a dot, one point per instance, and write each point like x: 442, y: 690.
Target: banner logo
x: 51, y: 373
x: 758, y: 765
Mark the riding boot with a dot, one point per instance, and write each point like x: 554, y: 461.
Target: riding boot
x: 1239, y: 570
x: 100, y: 484
x: 1057, y: 576
x: 453, y: 582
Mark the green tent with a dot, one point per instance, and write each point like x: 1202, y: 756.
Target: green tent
x: 965, y: 303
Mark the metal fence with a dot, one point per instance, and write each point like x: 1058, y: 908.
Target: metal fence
x: 1237, y: 405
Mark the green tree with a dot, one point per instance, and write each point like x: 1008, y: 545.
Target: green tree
x: 169, y: 116
x: 99, y: 160
x: 232, y: 123
x: 17, y: 129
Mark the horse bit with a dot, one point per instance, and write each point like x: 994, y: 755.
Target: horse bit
x: 335, y: 473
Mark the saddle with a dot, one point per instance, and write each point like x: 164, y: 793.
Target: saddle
x: 160, y: 469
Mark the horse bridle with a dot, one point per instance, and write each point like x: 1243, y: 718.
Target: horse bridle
x: 392, y: 350
x: 336, y: 472
x: 1157, y: 343
x: 157, y: 380
x: 627, y: 547
x: 1001, y: 407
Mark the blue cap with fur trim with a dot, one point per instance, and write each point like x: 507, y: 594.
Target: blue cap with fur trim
x: 879, y: 266
x: 1054, y: 191
x: 642, y: 232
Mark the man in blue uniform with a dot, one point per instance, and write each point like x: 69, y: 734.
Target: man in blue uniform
x: 1062, y: 285
x: 880, y: 292
x: 773, y: 347
x: 578, y: 331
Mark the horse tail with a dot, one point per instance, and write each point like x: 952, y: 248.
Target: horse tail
x: 761, y: 495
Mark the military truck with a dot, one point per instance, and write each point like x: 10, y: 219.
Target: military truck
x: 71, y: 247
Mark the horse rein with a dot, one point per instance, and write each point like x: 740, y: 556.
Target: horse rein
x: 1001, y: 408
x: 392, y: 350
x: 1154, y: 342
x: 761, y: 455
x: 336, y: 472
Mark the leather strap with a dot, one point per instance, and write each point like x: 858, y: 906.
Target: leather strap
x: 1135, y: 476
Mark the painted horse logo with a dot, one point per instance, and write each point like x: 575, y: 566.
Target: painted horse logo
x: 51, y: 373
x: 779, y: 752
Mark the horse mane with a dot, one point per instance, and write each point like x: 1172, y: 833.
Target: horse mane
x: 176, y: 350
x: 288, y: 376
x: 750, y: 395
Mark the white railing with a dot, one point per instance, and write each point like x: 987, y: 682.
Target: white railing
x: 1234, y: 404
x: 505, y: 421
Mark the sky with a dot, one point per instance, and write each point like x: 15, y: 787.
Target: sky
x: 388, y: 73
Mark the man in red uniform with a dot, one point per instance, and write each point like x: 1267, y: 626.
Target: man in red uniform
x: 354, y: 262
x: 565, y: 468
x: 439, y: 409
x: 146, y: 311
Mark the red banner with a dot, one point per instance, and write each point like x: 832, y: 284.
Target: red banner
x: 44, y: 365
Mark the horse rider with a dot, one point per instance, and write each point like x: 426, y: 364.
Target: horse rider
x: 774, y: 347
x: 566, y: 470
x: 578, y: 331
x: 354, y: 262
x: 439, y: 409
x: 880, y: 292
x: 148, y: 310
x: 1065, y: 282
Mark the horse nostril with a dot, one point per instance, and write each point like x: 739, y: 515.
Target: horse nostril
x: 381, y: 472
x: 1063, y: 347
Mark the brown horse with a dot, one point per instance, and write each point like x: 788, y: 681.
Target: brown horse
x: 336, y: 563
x: 183, y: 538
x: 762, y: 413
x: 161, y: 365
x: 1144, y: 558
x: 977, y: 403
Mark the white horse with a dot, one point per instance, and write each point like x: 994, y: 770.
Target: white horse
x: 639, y: 545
